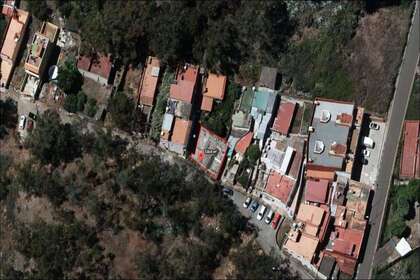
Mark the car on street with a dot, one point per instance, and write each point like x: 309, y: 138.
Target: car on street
x: 374, y: 126
x: 261, y: 213
x: 269, y: 217
x: 276, y: 220
x: 368, y: 142
x: 227, y: 191
x: 22, y: 121
x: 254, y: 206
x: 366, y: 153
x: 29, y: 125
x: 247, y: 202
x: 364, y: 161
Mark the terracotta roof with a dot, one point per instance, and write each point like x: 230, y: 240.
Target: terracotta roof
x: 284, y: 118
x: 207, y: 104
x: 83, y: 62
x: 15, y: 30
x: 279, y: 186
x: 148, y: 85
x: 181, y: 131
x: 411, y: 151
x: 343, y: 246
x: 184, y: 88
x: 345, y: 119
x: 215, y: 86
x: 310, y: 214
x: 243, y: 143
x: 305, y: 247
x: 102, y: 66
x: 316, y: 191
x: 320, y: 174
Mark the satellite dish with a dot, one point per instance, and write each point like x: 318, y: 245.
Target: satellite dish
x: 53, y: 72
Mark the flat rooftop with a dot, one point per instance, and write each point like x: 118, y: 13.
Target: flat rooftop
x: 183, y: 88
x: 148, y: 85
x: 331, y: 125
x: 280, y: 186
x: 210, y: 152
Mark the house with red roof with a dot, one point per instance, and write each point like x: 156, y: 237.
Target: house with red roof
x: 410, y: 160
x: 214, y: 88
x: 317, y: 191
x: 97, y: 67
x: 178, y: 122
x: 148, y: 85
x: 280, y: 188
x: 283, y: 121
x: 11, y: 41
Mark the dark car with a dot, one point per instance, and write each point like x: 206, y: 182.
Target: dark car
x: 32, y: 116
x: 227, y: 191
x: 254, y: 206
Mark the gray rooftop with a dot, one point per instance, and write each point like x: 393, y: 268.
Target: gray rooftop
x: 268, y: 77
x: 328, y: 133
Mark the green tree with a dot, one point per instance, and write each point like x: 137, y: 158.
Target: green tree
x: 39, y: 9
x: 54, y: 142
x: 75, y: 102
x: 253, y: 153
x: 121, y: 108
x: 69, y: 78
x: 8, y: 116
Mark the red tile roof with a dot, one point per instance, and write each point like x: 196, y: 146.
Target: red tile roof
x: 316, y: 191
x: 279, y: 186
x: 184, y: 88
x: 243, y: 143
x: 181, y: 131
x: 207, y: 104
x: 215, y: 86
x: 148, y: 85
x: 411, y: 151
x: 100, y: 65
x: 283, y: 121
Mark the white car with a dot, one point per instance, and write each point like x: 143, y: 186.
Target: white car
x: 22, y: 121
x: 269, y: 217
x: 261, y: 213
x: 247, y: 202
x: 366, y: 153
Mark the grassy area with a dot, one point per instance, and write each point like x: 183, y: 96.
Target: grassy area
x: 406, y: 268
x: 413, y: 111
x: 220, y: 118
x: 161, y: 100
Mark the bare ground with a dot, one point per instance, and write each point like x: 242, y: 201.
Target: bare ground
x: 374, y: 55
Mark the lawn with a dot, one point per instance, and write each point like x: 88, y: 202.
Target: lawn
x: 413, y: 111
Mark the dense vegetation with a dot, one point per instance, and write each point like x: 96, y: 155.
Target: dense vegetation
x: 186, y: 224
x: 8, y: 116
x: 401, y: 209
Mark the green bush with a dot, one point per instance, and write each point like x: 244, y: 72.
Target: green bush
x: 121, y: 108
x: 253, y: 153
x: 91, y: 107
x: 69, y: 78
x: 74, y: 103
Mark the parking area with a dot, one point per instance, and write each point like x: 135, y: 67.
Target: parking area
x: 266, y: 234
x: 370, y: 169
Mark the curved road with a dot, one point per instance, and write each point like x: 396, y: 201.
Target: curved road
x: 394, y: 126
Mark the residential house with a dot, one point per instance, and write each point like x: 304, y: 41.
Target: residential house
x: 214, y: 88
x: 98, y: 67
x: 12, y: 41
x: 210, y: 153
x: 179, y: 119
x: 148, y: 86
x: 38, y: 59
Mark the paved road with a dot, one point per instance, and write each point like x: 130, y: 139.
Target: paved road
x: 395, y: 120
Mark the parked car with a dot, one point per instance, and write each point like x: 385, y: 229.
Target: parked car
x: 254, y: 206
x: 247, y: 202
x: 276, y: 220
x: 261, y: 213
x: 368, y: 142
x: 365, y: 161
x: 366, y: 153
x: 227, y: 191
x: 22, y: 121
x: 32, y: 116
x: 374, y: 126
x: 30, y: 125
x: 269, y: 217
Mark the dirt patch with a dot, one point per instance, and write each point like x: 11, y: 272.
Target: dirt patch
x: 96, y: 91
x: 10, y: 146
x: 125, y: 246
x: 374, y: 55
x: 30, y: 209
